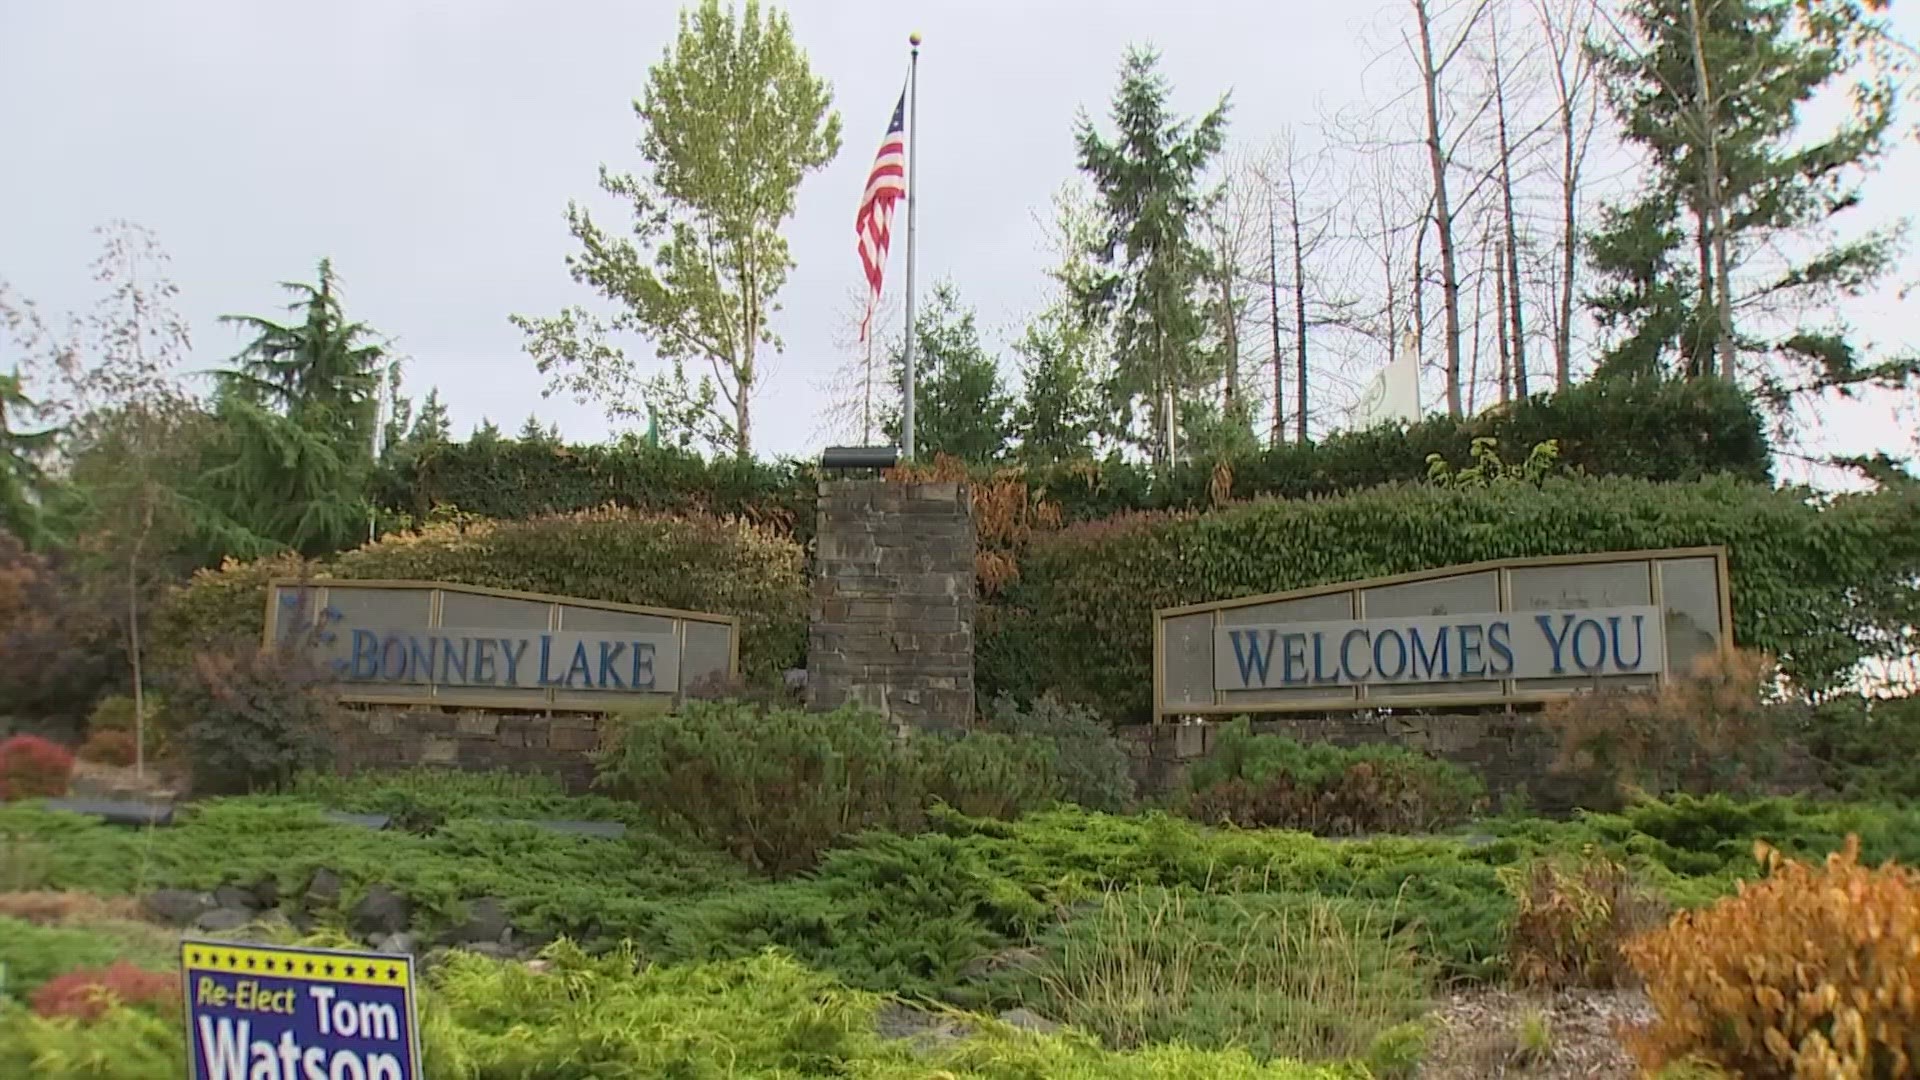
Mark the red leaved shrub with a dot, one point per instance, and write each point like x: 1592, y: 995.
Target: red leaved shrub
x: 87, y: 993
x: 33, y: 767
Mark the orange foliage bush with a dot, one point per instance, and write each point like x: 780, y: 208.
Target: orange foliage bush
x: 1812, y: 972
x: 1571, y: 921
x: 87, y: 993
x: 1712, y: 730
x: 109, y: 748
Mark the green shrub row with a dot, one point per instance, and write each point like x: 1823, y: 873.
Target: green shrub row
x: 1821, y: 584
x: 695, y: 563
x: 1681, y: 430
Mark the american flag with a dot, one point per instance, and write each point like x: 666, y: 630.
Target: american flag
x: 874, y: 224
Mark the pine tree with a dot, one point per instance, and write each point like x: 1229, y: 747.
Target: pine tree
x: 1058, y: 412
x: 22, y: 454
x: 1711, y: 268
x: 1152, y: 288
x: 961, y: 406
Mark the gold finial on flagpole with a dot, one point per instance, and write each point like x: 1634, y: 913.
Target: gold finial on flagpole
x: 913, y: 39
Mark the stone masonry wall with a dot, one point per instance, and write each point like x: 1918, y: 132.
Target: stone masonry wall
x: 893, y: 602
x: 388, y: 738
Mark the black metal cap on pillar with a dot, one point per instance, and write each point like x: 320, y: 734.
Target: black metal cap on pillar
x: 860, y: 457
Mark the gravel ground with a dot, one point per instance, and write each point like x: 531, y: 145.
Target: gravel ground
x: 1493, y: 1033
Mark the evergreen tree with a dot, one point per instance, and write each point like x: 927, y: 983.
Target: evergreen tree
x: 1058, y: 412
x: 22, y: 477
x: 1152, y: 288
x: 1711, y: 268
x: 297, y: 415
x: 961, y: 407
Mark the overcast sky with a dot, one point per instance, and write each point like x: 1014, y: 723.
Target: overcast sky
x: 430, y: 149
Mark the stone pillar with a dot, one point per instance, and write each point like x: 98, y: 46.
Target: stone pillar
x: 892, y: 617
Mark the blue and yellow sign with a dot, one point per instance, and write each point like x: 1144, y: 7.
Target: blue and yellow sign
x: 285, y: 1013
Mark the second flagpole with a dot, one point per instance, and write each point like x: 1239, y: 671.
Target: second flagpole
x: 913, y: 206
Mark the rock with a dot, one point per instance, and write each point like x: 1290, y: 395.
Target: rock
x: 490, y: 949
x: 381, y: 911
x: 402, y: 944
x: 177, y: 907
x: 323, y: 890
x: 302, y: 922
x: 486, y: 921
x: 235, y: 897
x: 1028, y: 1020
x: 1005, y: 959
x: 266, y: 894
x: 223, y: 919
x: 926, y: 1030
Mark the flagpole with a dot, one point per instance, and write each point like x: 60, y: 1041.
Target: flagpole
x: 913, y: 206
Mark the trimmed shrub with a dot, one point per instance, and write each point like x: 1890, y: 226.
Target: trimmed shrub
x: 1271, y: 782
x: 252, y: 718
x: 60, y: 647
x: 1818, y: 583
x: 778, y: 786
x: 1572, y: 918
x: 1710, y: 730
x: 1812, y: 971
x: 1866, y: 747
x: 32, y: 767
x: 115, y: 713
x: 695, y: 563
x: 1092, y: 767
x: 109, y: 748
x: 88, y: 993
x: 773, y: 787
x: 1679, y: 430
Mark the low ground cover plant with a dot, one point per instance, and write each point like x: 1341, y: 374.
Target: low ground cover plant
x: 1270, y: 781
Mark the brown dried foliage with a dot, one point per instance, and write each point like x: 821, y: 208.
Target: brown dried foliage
x: 1711, y: 730
x: 1812, y: 972
x: 1572, y: 920
x: 1007, y: 514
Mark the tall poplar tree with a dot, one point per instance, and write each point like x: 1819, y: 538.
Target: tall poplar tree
x: 732, y: 119
x: 1152, y: 280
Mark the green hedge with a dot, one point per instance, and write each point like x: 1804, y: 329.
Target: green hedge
x: 1820, y: 584
x: 696, y: 562
x: 1652, y: 430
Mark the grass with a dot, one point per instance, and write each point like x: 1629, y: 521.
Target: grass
x: 1280, y: 977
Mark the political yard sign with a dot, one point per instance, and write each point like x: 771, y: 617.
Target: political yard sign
x: 437, y: 643
x: 257, y: 1012
x: 1509, y: 631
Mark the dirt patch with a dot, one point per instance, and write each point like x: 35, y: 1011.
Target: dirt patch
x: 1491, y: 1033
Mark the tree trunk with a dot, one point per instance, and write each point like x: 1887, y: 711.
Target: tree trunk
x: 133, y: 632
x: 1479, y: 315
x: 1443, y: 212
x: 1569, y: 248
x: 1500, y: 324
x: 1230, y: 330
x: 1273, y: 299
x: 1299, y: 302
x: 1519, y: 338
x: 1721, y: 287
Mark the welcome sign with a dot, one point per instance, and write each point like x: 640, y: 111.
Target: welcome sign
x: 1500, y: 632
x: 438, y: 643
x: 282, y: 1013
x: 1442, y: 649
